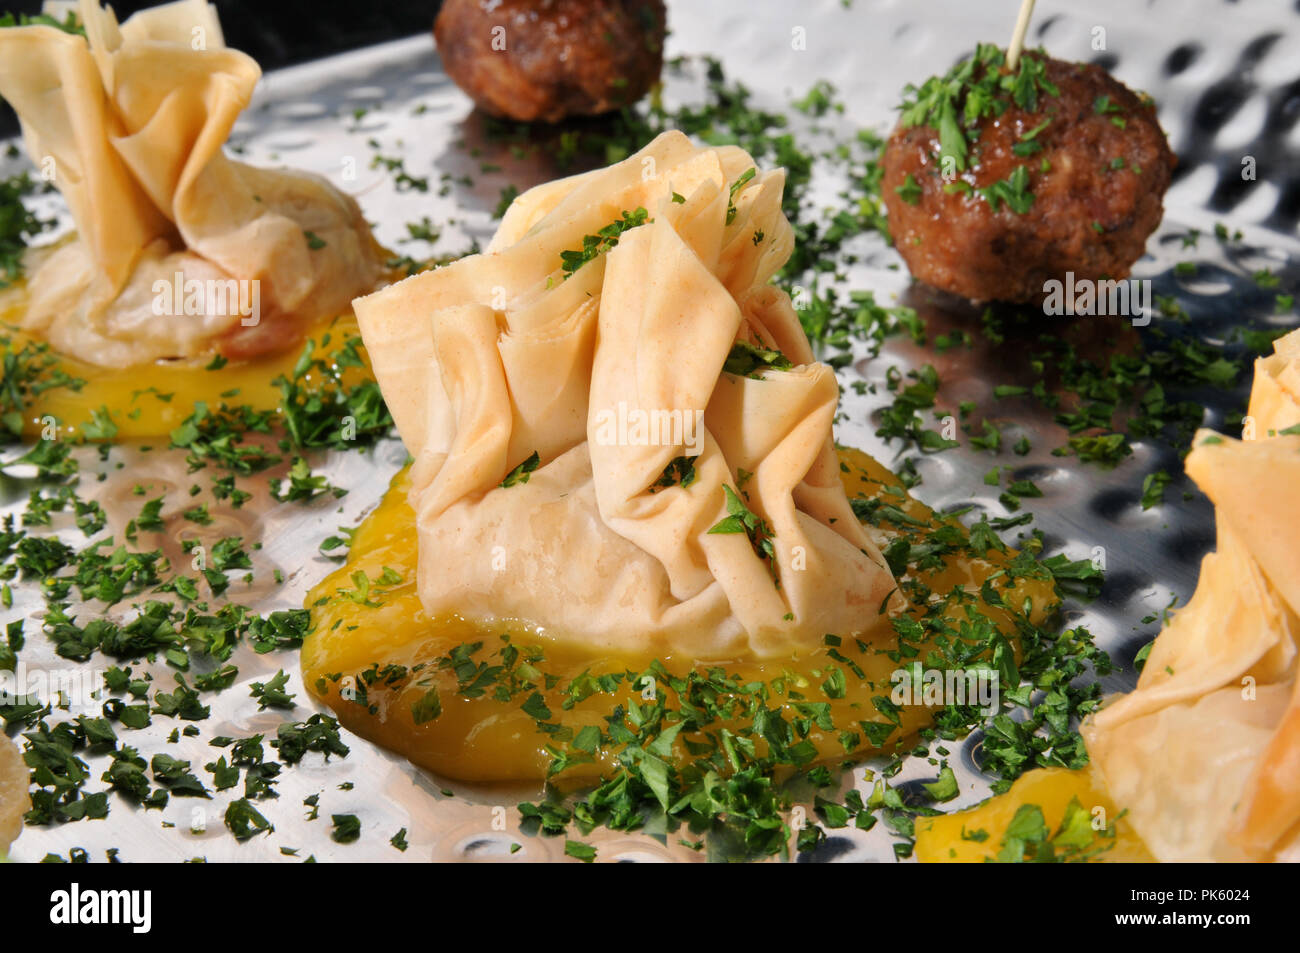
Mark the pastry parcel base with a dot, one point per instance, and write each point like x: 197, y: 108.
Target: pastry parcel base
x: 150, y: 400
x: 484, y: 739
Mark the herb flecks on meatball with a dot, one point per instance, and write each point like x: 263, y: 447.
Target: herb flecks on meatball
x: 996, y: 181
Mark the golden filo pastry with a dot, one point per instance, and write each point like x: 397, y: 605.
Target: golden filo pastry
x: 608, y: 542
x: 14, y: 800
x: 1275, y: 392
x: 1205, y: 753
x: 129, y: 122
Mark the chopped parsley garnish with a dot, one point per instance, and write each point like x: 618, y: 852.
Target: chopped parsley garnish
x: 679, y: 472
x: 27, y: 372
x: 1153, y: 488
x: 1013, y: 191
x: 18, y: 225
x: 593, y: 246
x: 977, y: 88
x: 910, y: 190
x: 671, y: 762
x: 747, y: 360
x: 741, y: 519
x: 347, y: 829
x: 1028, y: 839
x: 521, y: 473
x: 69, y: 24
x: 736, y: 186
x: 508, y: 195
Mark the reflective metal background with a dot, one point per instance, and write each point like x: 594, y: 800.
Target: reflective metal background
x: 1227, y: 78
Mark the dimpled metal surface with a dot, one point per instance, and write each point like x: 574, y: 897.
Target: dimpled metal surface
x: 1227, y: 83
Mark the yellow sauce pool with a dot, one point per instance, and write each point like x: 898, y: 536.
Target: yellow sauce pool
x: 976, y: 835
x: 150, y: 400
x: 483, y: 739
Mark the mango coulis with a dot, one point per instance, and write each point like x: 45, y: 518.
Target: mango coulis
x: 481, y: 738
x: 381, y: 635
x: 975, y: 835
x: 150, y: 400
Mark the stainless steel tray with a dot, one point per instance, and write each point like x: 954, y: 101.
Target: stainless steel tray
x: 1225, y: 76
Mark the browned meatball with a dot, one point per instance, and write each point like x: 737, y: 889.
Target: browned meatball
x: 1070, y: 183
x: 544, y: 60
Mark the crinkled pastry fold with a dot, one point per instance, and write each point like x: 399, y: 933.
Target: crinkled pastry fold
x: 1205, y: 753
x: 675, y: 506
x: 129, y: 123
x: 14, y: 801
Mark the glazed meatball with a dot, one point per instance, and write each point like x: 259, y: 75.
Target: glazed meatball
x: 546, y: 60
x: 1065, y: 170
